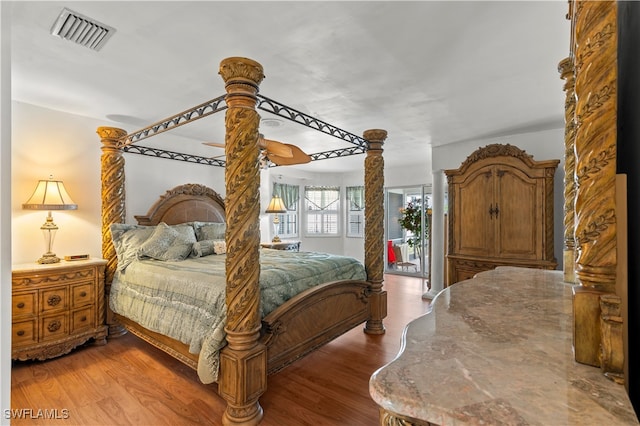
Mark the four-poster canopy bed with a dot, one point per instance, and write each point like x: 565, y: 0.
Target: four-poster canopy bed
x: 255, y: 346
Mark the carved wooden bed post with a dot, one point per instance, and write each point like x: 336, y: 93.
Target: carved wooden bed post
x: 243, y: 362
x: 595, y: 44
x: 566, y: 70
x: 113, y: 208
x: 374, y: 228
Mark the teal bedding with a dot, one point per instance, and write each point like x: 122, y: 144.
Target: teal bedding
x: 185, y: 300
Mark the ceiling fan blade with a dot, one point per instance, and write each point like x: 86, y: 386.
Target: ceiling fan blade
x: 214, y: 144
x: 298, y: 157
x: 279, y: 153
x: 275, y: 147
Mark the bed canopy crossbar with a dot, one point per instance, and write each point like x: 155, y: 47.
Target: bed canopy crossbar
x: 202, y: 110
x: 190, y: 158
x: 296, y: 116
x: 218, y: 104
x: 172, y: 155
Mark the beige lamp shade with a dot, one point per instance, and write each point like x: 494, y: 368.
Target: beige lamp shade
x: 50, y: 195
x: 276, y: 205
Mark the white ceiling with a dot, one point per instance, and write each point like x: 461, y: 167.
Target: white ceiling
x: 430, y: 73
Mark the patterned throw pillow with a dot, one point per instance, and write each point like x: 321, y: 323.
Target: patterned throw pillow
x: 169, y: 242
x: 180, y: 249
x: 207, y: 247
x: 219, y: 246
x: 159, y: 242
x: 202, y: 248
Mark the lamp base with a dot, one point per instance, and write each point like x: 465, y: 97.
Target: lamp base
x: 49, y: 258
x: 276, y: 239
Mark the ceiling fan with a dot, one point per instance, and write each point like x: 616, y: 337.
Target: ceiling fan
x: 279, y: 153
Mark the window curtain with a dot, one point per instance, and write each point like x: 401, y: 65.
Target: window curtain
x: 355, y: 196
x: 290, y: 194
x: 322, y: 197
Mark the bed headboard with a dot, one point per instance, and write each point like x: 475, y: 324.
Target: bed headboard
x: 185, y: 203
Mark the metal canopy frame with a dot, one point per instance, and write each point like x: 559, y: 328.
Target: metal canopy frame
x: 218, y: 104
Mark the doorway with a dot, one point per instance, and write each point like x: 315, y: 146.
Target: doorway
x: 407, y: 230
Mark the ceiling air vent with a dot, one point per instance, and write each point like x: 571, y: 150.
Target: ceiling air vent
x: 81, y: 30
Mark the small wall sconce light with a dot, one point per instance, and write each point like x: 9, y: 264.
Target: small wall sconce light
x: 49, y: 195
x: 276, y: 206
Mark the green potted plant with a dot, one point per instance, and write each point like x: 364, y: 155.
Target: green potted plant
x: 411, y: 220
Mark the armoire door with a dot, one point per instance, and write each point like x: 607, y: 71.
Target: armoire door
x: 518, y: 203
x: 473, y: 200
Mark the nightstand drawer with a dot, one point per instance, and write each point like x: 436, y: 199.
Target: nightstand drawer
x: 24, y: 332
x: 55, y: 299
x: 24, y: 304
x: 83, y: 318
x: 54, y: 326
x: 82, y: 294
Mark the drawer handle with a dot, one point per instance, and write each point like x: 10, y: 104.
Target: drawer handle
x: 83, y: 294
x: 20, y: 333
x: 54, y: 326
x: 20, y: 305
x: 54, y: 300
x: 83, y: 318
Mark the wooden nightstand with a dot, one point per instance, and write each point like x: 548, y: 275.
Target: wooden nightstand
x: 283, y: 245
x: 56, y: 307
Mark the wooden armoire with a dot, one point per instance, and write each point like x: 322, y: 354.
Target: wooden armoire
x: 500, y: 212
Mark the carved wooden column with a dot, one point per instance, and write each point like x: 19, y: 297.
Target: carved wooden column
x: 243, y: 362
x: 374, y: 228
x: 567, y: 73
x: 595, y: 47
x: 113, y: 209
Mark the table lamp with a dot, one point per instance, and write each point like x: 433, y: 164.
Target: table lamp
x: 276, y: 206
x: 49, y: 195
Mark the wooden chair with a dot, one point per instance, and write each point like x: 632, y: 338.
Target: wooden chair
x: 400, y: 263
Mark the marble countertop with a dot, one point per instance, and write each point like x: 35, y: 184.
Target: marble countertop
x: 497, y: 349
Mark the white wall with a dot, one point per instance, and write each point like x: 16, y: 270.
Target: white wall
x: 544, y: 145
x: 5, y: 210
x: 46, y: 142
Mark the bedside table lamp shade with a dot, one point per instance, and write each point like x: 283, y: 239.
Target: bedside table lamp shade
x: 276, y: 206
x: 49, y: 195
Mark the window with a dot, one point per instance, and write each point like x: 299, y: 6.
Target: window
x: 290, y: 194
x: 288, y: 227
x: 322, y: 207
x: 355, y: 215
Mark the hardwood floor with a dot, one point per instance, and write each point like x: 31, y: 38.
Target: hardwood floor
x: 128, y: 382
